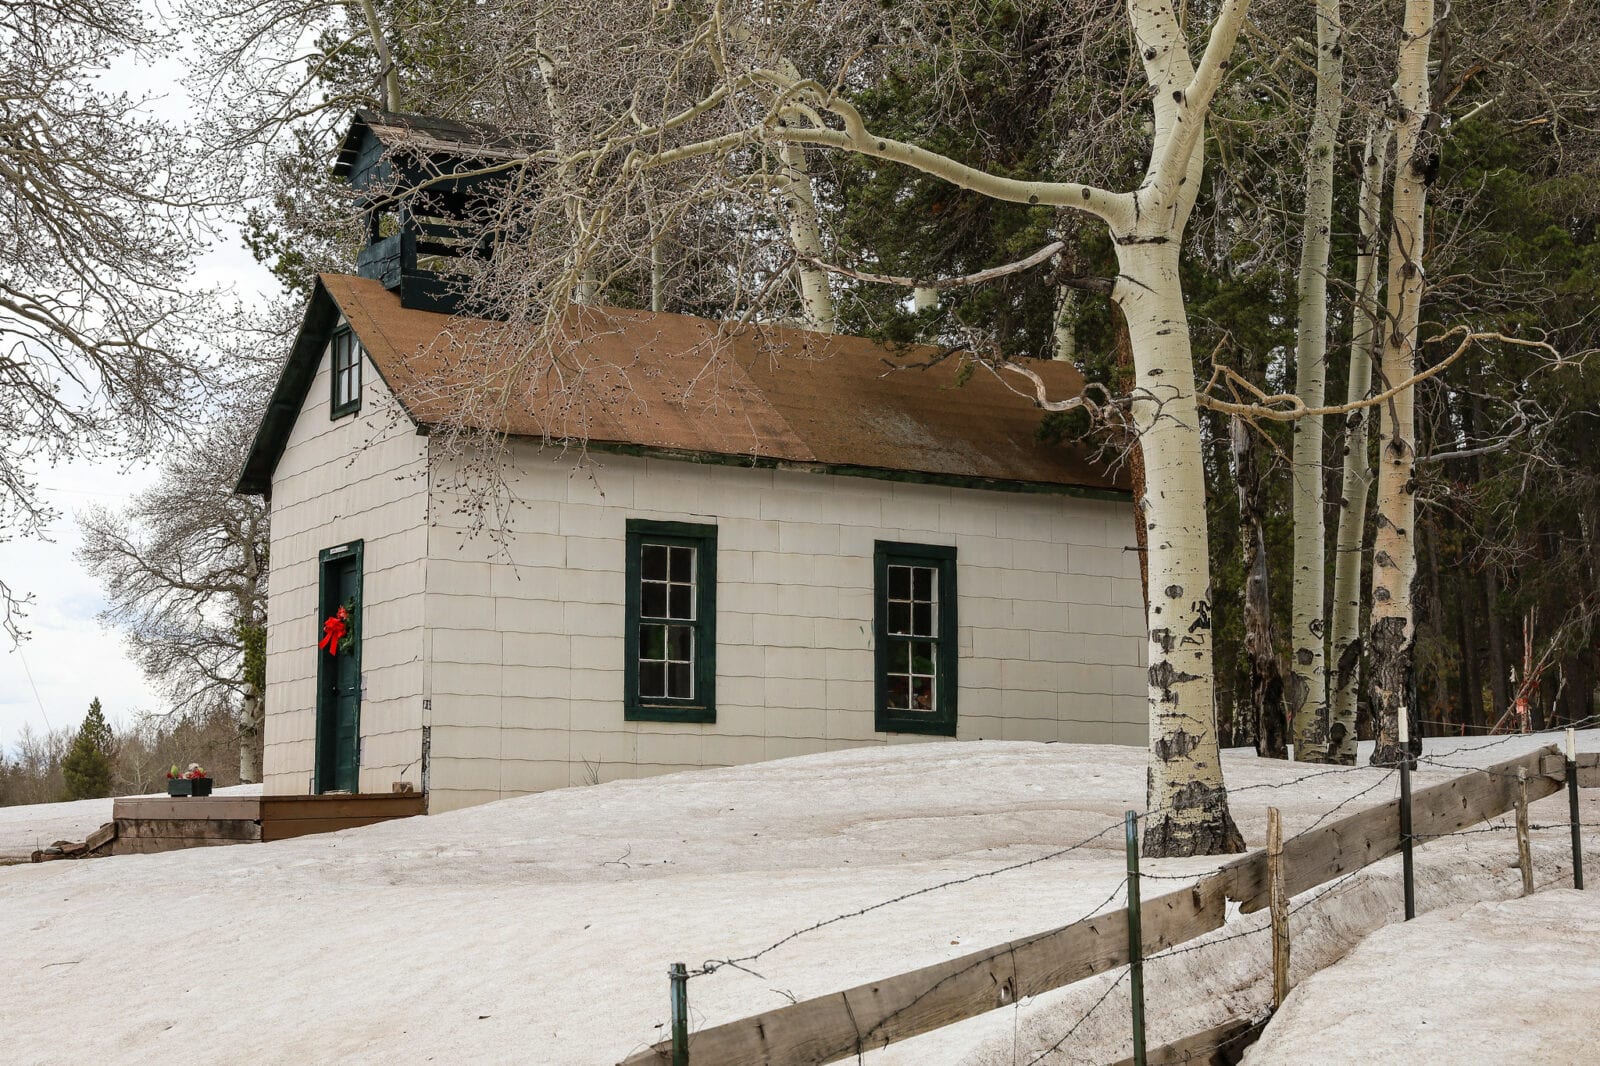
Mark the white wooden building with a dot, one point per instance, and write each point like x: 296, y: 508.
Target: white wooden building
x: 815, y: 554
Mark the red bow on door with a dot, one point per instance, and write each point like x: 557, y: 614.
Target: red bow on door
x: 333, y: 631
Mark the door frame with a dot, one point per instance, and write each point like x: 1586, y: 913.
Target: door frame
x: 324, y: 758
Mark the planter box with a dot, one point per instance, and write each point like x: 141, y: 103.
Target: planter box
x: 193, y: 786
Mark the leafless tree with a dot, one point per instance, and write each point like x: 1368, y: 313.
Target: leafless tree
x: 184, y: 567
x: 98, y: 202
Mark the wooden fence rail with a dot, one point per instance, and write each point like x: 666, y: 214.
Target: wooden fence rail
x: 839, y: 1025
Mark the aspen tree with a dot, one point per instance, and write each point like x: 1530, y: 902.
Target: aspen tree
x: 1308, y: 685
x: 1345, y: 636
x: 1392, y: 632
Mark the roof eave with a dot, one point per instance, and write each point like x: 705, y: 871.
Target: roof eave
x: 927, y: 477
x: 289, y: 395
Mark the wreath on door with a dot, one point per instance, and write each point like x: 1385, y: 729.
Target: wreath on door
x: 338, y: 630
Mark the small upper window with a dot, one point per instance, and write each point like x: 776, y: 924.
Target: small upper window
x: 346, y: 374
x: 916, y: 638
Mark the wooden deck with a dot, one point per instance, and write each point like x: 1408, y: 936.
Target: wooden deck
x: 167, y: 824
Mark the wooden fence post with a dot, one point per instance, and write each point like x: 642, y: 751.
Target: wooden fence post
x: 678, y: 979
x: 1407, y: 869
x: 1135, y: 938
x: 1524, y: 849
x: 1572, y: 809
x: 1279, y: 902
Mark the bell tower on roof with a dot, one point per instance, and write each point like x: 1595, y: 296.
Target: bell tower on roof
x: 424, y: 185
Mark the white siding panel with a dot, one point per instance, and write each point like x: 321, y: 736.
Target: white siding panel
x: 527, y: 659
x: 355, y: 478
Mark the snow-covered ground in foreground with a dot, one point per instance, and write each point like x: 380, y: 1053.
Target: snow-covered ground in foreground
x: 36, y: 825
x: 1494, y: 982
x: 539, y: 929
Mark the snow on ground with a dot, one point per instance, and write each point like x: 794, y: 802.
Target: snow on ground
x: 1492, y: 982
x: 26, y: 828
x: 540, y: 928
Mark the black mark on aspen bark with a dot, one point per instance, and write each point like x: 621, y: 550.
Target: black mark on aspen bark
x: 1164, y: 675
x: 1177, y: 832
x: 1174, y: 591
x: 1176, y: 745
x: 1163, y: 637
x: 1349, y: 659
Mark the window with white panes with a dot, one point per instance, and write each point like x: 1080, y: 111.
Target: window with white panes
x: 915, y: 633
x: 345, y: 374
x: 671, y: 619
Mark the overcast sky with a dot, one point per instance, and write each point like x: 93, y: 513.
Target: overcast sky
x: 69, y: 659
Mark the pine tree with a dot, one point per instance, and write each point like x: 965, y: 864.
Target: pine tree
x: 87, y: 766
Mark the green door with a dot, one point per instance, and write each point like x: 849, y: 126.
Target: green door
x: 339, y: 674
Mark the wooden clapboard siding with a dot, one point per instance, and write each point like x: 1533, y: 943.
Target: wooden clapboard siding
x: 526, y: 650
x: 359, y: 477
x: 842, y: 1024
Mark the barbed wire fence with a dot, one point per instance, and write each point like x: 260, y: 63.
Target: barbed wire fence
x: 876, y: 1035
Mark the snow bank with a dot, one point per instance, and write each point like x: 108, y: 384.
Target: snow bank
x: 547, y: 922
x: 1492, y: 982
x: 25, y: 828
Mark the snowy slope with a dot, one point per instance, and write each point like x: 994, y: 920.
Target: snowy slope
x: 37, y: 825
x: 1488, y: 983
x: 539, y: 929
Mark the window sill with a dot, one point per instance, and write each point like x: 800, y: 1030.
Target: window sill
x: 883, y: 723
x: 656, y: 712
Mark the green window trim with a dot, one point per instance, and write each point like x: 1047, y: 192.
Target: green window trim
x: 344, y: 376
x: 915, y: 656
x: 670, y: 642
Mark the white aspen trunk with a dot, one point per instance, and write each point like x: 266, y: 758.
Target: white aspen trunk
x: 924, y: 298
x: 1345, y: 637
x: 1392, y: 633
x: 392, y: 100
x: 251, y: 719
x: 1308, y: 681
x: 1066, y: 338
x: 805, y: 236
x: 252, y: 712
x: 585, y: 286
x: 1185, y: 793
x: 658, y: 276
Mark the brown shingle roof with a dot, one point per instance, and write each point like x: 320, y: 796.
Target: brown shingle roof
x: 688, y: 385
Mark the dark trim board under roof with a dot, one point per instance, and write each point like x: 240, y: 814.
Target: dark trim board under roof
x: 829, y: 407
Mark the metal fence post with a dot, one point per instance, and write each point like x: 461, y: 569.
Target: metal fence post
x: 678, y: 978
x: 1407, y: 869
x: 1135, y: 939
x: 1572, y: 809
